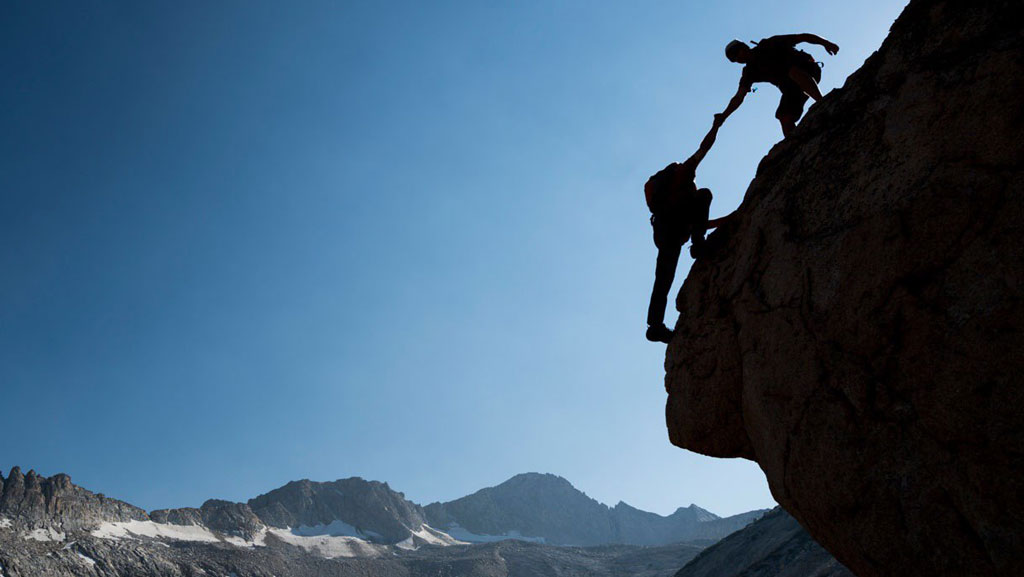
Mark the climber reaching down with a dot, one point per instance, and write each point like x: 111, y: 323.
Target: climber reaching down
x: 679, y: 212
x: 777, y: 61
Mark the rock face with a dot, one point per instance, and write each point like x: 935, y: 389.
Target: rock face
x: 370, y: 506
x: 55, y: 502
x: 547, y: 508
x: 858, y: 332
x: 773, y: 546
x: 234, y: 519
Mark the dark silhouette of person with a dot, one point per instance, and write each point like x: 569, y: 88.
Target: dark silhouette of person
x: 777, y: 61
x: 679, y: 212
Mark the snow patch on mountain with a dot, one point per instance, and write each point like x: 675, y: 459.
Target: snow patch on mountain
x: 461, y: 533
x: 427, y: 535
x: 45, y: 534
x: 433, y: 536
x: 328, y: 546
x: 259, y: 540
x: 336, y: 528
x: 132, y: 529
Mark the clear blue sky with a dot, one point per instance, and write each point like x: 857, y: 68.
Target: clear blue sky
x: 248, y: 242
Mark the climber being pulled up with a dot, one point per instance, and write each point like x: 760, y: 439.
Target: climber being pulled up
x: 777, y: 61
x: 679, y: 212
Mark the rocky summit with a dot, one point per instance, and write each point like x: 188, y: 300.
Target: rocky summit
x: 858, y: 329
x: 46, y: 502
x: 371, y: 506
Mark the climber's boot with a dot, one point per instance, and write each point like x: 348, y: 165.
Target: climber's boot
x: 659, y: 334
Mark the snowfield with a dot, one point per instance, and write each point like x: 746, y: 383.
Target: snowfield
x: 329, y: 546
x: 460, y: 533
x: 45, y: 534
x: 336, y: 528
x: 130, y: 529
x: 337, y: 539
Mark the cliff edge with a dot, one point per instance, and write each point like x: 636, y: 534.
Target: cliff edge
x: 858, y: 332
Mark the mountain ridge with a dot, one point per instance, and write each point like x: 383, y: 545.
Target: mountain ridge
x: 49, y: 526
x: 558, y: 513
x: 370, y: 511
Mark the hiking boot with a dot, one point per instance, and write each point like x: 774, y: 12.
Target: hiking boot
x: 659, y: 334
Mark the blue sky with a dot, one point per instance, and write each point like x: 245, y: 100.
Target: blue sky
x: 248, y: 242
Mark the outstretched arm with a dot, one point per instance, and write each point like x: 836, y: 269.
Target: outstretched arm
x: 830, y: 47
x: 734, y: 103
x: 705, y: 146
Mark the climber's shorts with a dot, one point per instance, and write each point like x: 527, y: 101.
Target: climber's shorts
x: 793, y: 97
x: 673, y: 230
x: 792, y: 103
x: 670, y: 232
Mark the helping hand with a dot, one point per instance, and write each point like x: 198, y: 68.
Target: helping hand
x: 831, y: 48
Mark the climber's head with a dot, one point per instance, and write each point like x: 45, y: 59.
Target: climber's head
x: 737, y: 51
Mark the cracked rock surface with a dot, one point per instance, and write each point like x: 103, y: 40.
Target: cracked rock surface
x: 858, y: 330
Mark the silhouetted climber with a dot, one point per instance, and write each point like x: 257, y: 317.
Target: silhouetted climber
x: 776, y: 60
x: 679, y: 211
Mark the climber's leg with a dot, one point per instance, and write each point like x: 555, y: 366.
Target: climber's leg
x: 788, y: 124
x: 699, y: 227
x: 791, y: 108
x: 805, y: 81
x: 667, y: 240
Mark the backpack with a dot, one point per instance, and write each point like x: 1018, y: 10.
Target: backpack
x: 775, y: 58
x: 807, y: 63
x: 669, y: 182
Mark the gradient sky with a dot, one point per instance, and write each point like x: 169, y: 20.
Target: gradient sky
x: 246, y: 242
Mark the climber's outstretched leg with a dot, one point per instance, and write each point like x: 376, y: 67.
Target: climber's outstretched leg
x: 805, y: 81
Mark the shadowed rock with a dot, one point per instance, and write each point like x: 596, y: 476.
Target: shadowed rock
x: 859, y: 333
x: 773, y: 546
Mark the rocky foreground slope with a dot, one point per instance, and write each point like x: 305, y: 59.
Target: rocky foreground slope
x: 858, y: 332
x: 773, y: 546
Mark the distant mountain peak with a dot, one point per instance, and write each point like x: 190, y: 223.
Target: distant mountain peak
x: 538, y: 478
x: 546, y: 507
x: 369, y: 505
x: 37, y: 501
